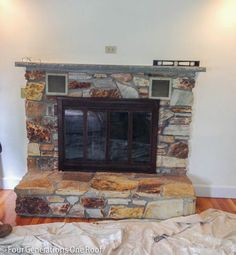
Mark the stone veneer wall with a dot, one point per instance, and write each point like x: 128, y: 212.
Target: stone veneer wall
x: 174, y: 119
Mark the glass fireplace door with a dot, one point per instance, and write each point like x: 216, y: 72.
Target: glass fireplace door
x: 107, y: 135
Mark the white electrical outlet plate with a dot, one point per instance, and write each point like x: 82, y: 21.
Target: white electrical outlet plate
x: 110, y: 49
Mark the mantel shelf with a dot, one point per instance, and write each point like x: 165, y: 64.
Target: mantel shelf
x: 109, y: 69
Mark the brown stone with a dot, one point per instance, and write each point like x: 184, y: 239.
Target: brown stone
x: 59, y: 209
x: 37, y: 133
x: 34, y: 75
x: 122, y: 77
x: 47, y: 147
x: 47, y: 163
x: 79, y: 85
x: 98, y: 92
x: 179, y: 150
x: 93, y: 202
x: 149, y: 186
x: 32, y: 206
x: 78, y: 176
x: 178, y: 189
x: 181, y: 109
x: 34, y: 109
x: 72, y: 188
x: 121, y: 212
x: 184, y: 83
x: 113, y: 182
x: 31, y: 164
x: 34, y: 91
x: 47, y: 153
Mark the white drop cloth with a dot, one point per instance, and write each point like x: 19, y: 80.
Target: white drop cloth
x: 212, y: 232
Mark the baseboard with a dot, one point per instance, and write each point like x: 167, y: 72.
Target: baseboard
x: 9, y: 183
x: 203, y: 190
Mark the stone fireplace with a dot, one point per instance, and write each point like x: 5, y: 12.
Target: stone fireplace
x: 147, y: 171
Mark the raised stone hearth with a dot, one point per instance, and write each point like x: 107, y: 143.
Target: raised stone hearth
x: 103, y: 195
x: 47, y: 191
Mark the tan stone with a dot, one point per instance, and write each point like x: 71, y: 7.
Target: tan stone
x: 164, y: 209
x: 115, y: 194
x: 163, y: 161
x: 166, y: 139
x: 35, y: 186
x: 34, y: 109
x: 113, y: 182
x: 122, y: 77
x: 34, y: 91
x: 178, y: 189
x: 77, y: 211
x: 55, y: 199
x: 71, y: 188
x: 33, y: 149
x: 119, y: 212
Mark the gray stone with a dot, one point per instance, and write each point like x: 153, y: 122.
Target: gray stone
x: 169, y: 162
x: 100, y: 75
x: 181, y: 97
x: 141, y: 81
x: 94, y: 213
x: 77, y: 210
x: 164, y: 209
x: 139, y: 202
x: 117, y: 201
x: 105, y: 83
x: 127, y: 91
x: 72, y: 199
x: 79, y: 76
x: 165, y: 114
x: 177, y: 130
x: 86, y: 93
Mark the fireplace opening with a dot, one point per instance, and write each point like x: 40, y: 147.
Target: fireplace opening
x: 103, y: 134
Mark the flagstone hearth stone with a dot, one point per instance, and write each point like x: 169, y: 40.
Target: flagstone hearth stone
x: 177, y: 190
x: 121, y: 212
x: 164, y: 209
x: 71, y: 188
x: 113, y: 182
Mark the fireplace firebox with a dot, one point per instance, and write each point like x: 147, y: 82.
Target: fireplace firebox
x: 103, y: 134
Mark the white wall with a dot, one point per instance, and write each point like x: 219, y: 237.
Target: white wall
x: 143, y: 30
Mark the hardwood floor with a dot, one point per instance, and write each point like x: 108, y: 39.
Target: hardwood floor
x: 8, y: 215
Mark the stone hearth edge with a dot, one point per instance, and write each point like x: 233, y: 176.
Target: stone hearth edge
x: 104, y: 195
